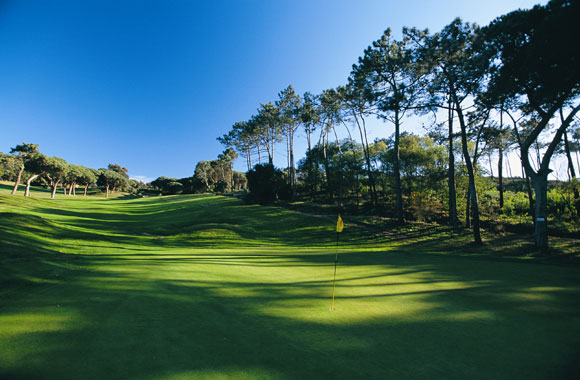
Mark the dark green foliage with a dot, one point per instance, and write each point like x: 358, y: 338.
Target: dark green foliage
x: 110, y: 180
x: 168, y: 186
x: 220, y: 186
x: 267, y: 184
x: 119, y: 169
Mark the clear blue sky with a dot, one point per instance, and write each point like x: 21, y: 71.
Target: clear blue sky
x: 151, y: 84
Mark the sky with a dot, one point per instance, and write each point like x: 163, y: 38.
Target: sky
x: 150, y: 85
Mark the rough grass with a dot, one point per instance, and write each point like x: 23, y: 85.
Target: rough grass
x: 208, y: 287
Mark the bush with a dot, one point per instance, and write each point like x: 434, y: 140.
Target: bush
x: 220, y: 187
x: 515, y: 204
x: 561, y: 203
x: 267, y: 184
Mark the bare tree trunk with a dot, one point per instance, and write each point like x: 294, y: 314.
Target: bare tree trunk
x: 54, y: 186
x: 540, y: 183
x: 525, y: 176
x: 292, y: 169
x: 471, y: 173
x: 500, y: 176
x: 86, y: 187
x: 310, y: 171
x: 366, y: 151
x: 398, y: 186
x: 27, y: 191
x: 329, y: 186
x: 107, y: 192
x: 270, y: 153
x: 468, y: 207
x: 17, y: 182
x: 451, y: 173
x: 571, y: 166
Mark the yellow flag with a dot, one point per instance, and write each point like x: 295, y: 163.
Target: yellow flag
x: 339, y: 224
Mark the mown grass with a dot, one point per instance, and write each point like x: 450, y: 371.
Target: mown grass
x: 208, y: 287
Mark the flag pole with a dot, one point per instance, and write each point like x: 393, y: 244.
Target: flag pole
x: 335, y: 262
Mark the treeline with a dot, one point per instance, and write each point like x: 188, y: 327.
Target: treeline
x: 210, y: 176
x: 511, y: 85
x: 25, y: 164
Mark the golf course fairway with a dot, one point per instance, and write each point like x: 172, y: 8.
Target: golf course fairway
x: 208, y: 287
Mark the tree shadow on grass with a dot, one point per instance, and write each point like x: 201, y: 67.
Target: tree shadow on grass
x: 146, y: 317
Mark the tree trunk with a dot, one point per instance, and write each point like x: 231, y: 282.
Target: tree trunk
x: 500, y: 177
x: 292, y: 169
x: 398, y: 186
x: 27, y: 191
x: 451, y: 174
x: 17, y: 182
x: 471, y: 173
x: 540, y: 177
x: 310, y: 171
x: 468, y: 207
x: 270, y: 159
x: 86, y: 187
x: 366, y: 152
x: 327, y: 168
x: 54, y: 186
x: 540, y: 183
x: 107, y: 192
x: 532, y: 206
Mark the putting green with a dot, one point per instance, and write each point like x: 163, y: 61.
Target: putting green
x: 207, y: 287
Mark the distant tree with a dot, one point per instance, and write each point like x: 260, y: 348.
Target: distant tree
x: 241, y: 138
x: 22, y: 152
x: 423, y: 163
x: 227, y: 158
x: 447, y: 60
x: 289, y: 105
x: 267, y: 124
x: 357, y: 104
x: 203, y: 174
x: 74, y: 175
x: 189, y: 185
x: 267, y: 184
x: 37, y: 165
x: 9, y: 166
x: 240, y: 181
x: 119, y: 169
x: 86, y: 177
x: 388, y: 68
x: 168, y: 186
x: 330, y: 107
x: 110, y: 180
x: 56, y: 170
x: 310, y: 118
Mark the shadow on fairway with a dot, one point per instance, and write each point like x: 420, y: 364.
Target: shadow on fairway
x: 124, y: 305
x: 416, y: 317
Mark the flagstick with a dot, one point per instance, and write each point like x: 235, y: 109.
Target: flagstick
x: 335, y: 262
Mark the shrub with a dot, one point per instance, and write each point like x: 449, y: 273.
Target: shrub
x: 267, y: 184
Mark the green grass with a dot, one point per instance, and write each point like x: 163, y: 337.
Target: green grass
x: 207, y: 287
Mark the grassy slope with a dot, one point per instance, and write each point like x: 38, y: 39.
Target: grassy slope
x: 207, y: 287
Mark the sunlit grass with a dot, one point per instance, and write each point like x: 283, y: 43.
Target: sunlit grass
x: 208, y: 287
